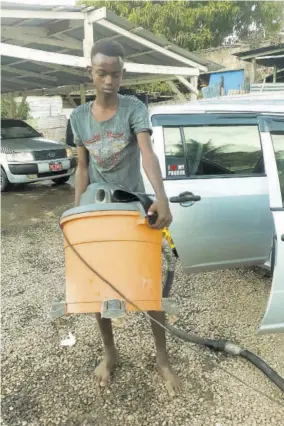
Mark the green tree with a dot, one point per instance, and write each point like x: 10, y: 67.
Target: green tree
x: 21, y: 109
x: 259, y: 20
x: 5, y: 107
x: 196, y: 25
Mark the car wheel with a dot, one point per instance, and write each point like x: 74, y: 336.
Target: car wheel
x: 4, y: 181
x: 61, y: 181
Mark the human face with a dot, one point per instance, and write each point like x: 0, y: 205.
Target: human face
x: 106, y: 73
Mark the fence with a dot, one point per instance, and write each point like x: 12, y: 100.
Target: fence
x: 267, y: 87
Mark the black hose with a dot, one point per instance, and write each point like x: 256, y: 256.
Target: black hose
x: 170, y: 274
x: 214, y: 344
x: 168, y: 283
x: 220, y: 345
x: 262, y: 366
x: 217, y: 345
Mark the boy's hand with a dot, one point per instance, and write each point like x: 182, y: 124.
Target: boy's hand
x: 162, y: 209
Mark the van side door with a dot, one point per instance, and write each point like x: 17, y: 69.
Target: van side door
x: 217, y: 159
x: 272, y: 139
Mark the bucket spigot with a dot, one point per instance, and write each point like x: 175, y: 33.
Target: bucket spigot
x: 113, y: 308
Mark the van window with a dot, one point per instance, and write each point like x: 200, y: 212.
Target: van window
x: 215, y: 150
x: 173, y: 142
x: 174, y: 152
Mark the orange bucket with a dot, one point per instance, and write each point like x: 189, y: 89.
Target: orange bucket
x: 115, y: 240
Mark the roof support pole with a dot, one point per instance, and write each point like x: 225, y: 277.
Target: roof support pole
x: 253, y: 71
x: 176, y: 90
x: 49, y: 15
x: 191, y: 86
x: 82, y: 94
x: 274, y: 74
x: 194, y: 82
x: 23, y: 100
x: 12, y: 105
x: 88, y: 37
x: 72, y: 61
x: 71, y: 101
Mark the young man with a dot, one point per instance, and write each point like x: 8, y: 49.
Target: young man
x: 110, y: 133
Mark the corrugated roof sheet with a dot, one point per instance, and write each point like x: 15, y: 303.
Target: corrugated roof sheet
x: 267, y: 56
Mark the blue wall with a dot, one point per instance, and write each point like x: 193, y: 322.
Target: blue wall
x: 232, y: 79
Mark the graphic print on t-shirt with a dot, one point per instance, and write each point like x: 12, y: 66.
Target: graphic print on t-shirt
x: 107, y: 149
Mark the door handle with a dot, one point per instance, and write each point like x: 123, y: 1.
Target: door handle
x: 185, y: 197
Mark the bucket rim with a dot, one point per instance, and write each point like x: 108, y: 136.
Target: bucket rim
x: 104, y: 207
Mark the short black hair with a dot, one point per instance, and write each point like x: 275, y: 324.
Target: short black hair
x: 108, y: 47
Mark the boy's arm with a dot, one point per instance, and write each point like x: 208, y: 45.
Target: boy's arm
x: 140, y: 124
x: 82, y: 173
x: 153, y: 171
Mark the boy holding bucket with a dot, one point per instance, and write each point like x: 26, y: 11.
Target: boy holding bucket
x: 110, y: 134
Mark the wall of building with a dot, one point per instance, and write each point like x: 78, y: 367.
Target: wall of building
x: 47, y: 116
x: 44, y: 106
x: 225, y: 56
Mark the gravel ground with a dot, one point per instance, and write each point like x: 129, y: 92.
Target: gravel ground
x: 46, y: 384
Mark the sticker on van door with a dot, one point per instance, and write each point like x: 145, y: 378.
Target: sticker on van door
x: 175, y: 167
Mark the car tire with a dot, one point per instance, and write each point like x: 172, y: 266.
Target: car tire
x: 4, y: 181
x: 61, y: 181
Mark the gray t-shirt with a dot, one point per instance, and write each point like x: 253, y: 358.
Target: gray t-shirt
x: 112, y: 144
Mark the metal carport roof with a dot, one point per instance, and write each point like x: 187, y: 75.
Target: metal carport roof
x: 46, y: 50
x: 269, y: 56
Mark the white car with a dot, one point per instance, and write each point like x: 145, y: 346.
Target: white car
x: 27, y: 157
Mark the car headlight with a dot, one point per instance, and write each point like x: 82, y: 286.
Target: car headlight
x: 69, y: 152
x: 20, y: 156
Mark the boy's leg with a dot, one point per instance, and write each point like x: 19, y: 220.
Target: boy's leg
x: 171, y: 380
x: 107, y: 365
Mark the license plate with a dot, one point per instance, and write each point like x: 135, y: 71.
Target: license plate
x: 55, y: 167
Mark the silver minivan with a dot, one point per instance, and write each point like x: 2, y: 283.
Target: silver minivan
x: 222, y: 162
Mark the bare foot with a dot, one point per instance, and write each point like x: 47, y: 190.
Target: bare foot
x: 172, y: 381
x: 106, y: 367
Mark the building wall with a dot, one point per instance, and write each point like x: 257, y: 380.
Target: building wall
x: 44, y: 106
x: 225, y: 56
x: 232, y: 80
x: 47, y: 116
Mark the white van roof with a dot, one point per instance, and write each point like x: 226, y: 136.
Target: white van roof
x: 268, y: 102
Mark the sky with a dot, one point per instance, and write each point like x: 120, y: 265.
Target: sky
x: 44, y: 2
